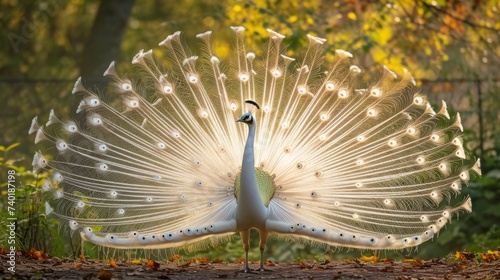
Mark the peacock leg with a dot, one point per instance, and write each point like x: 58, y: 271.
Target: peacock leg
x: 262, y: 247
x: 245, y: 238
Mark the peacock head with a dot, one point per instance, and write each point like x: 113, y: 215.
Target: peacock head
x: 248, y: 117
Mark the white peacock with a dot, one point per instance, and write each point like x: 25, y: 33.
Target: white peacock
x: 160, y: 161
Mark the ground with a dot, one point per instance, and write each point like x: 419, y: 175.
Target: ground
x: 47, y: 267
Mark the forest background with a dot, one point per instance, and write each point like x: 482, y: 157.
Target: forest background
x: 451, y: 47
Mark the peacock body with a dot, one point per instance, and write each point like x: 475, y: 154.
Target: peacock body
x: 160, y: 161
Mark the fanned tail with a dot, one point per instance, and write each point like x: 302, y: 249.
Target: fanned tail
x: 355, y: 164
x: 155, y: 161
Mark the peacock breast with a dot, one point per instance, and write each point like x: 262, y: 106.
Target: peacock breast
x: 265, y: 185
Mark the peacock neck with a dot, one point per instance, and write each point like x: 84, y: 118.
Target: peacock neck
x: 248, y: 154
x: 251, y: 211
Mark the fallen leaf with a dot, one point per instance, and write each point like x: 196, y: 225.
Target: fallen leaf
x: 38, y: 255
x: 418, y: 263
x: 408, y: 260
x: 199, y: 260
x: 487, y: 257
x: 496, y: 253
x: 464, y: 255
x: 112, y: 263
x: 185, y: 264
x: 372, y: 259
x: 175, y: 257
x: 136, y: 262
x: 153, y: 265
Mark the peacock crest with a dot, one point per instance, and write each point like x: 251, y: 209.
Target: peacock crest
x: 174, y: 155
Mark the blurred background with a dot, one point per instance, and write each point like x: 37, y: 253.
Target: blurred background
x: 451, y: 47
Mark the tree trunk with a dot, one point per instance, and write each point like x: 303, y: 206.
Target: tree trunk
x: 103, y: 43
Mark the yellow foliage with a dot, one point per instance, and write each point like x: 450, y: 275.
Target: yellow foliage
x: 427, y: 50
x: 352, y: 16
x: 383, y: 35
x: 293, y: 18
x: 237, y: 8
x: 310, y: 20
x: 379, y: 54
x: 209, y: 21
